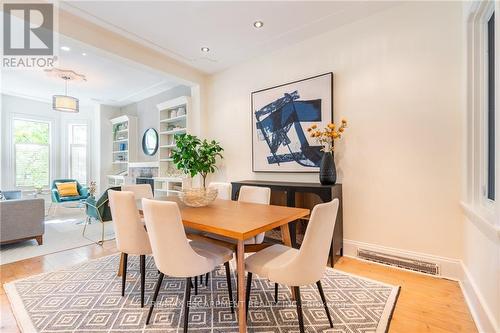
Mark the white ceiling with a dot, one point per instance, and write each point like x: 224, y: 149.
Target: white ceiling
x: 111, y: 80
x: 179, y: 29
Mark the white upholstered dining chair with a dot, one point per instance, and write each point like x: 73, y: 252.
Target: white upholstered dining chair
x: 223, y: 189
x: 251, y: 194
x: 175, y: 255
x: 140, y: 190
x: 259, y: 195
x: 131, y: 237
x: 295, y: 268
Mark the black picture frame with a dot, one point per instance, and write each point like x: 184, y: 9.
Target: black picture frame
x: 253, y: 123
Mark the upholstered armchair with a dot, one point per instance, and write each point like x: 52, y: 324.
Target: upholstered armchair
x: 56, y: 198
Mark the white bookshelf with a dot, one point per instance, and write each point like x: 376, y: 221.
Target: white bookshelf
x: 124, y: 137
x: 174, y: 119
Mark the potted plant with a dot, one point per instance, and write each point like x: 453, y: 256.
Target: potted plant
x: 326, y: 138
x: 195, y: 156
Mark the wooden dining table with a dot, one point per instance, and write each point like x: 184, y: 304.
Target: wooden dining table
x: 238, y: 221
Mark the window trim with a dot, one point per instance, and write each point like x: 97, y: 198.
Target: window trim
x: 476, y: 117
x: 69, y: 134
x: 12, y: 158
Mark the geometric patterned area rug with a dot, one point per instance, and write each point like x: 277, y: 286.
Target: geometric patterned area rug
x: 87, y: 298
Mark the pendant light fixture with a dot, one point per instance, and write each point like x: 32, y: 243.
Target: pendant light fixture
x: 65, y: 103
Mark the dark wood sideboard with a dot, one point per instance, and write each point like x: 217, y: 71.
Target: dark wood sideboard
x: 324, y: 192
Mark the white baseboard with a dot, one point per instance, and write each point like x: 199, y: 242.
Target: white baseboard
x: 453, y: 269
x: 482, y: 315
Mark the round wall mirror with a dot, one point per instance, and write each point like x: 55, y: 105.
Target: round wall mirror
x: 150, y: 142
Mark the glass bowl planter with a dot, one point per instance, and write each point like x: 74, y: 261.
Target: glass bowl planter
x: 198, y: 197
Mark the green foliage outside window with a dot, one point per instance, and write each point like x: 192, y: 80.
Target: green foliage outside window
x: 32, y: 153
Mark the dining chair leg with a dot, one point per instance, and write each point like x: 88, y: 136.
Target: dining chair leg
x: 249, y: 286
x: 85, y: 225
x: 143, y: 277
x: 323, y: 299
x: 299, y: 309
x: 229, y: 286
x: 206, y: 279
x: 102, y: 234
x: 187, y: 298
x: 124, y: 274
x: 196, y: 285
x: 157, y: 290
x: 276, y: 293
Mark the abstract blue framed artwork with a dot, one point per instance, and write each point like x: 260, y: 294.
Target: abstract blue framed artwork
x: 280, y: 118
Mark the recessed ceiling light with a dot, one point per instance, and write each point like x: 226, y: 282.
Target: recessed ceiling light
x: 65, y: 48
x: 205, y: 49
x: 258, y: 24
x: 84, y: 54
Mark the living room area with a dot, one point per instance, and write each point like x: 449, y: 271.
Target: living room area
x: 250, y: 166
x: 45, y: 148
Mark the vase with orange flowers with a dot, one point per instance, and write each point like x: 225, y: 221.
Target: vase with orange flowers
x: 326, y: 138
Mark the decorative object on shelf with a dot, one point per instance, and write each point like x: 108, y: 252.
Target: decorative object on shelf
x: 279, y: 117
x: 150, y: 142
x: 170, y: 180
x: 326, y: 138
x: 194, y: 156
x: 198, y: 197
x: 124, y: 148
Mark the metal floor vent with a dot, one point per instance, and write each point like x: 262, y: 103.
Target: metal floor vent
x: 402, y: 262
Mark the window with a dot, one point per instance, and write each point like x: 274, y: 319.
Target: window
x: 480, y: 202
x: 78, y: 152
x: 31, y: 153
x: 491, y: 109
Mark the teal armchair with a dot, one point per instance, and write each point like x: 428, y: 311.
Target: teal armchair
x: 99, y: 210
x: 82, y: 191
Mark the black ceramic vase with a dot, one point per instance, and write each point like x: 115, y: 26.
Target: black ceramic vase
x: 327, y: 170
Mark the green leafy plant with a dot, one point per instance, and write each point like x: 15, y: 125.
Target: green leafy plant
x: 194, y: 156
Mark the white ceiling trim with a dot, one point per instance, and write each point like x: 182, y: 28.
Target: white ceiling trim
x: 147, y: 92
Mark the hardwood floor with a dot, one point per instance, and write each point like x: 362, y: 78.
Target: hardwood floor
x: 425, y: 304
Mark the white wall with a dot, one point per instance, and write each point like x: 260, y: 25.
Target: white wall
x: 148, y: 115
x: 22, y: 107
x: 481, y: 260
x: 105, y: 144
x: 399, y: 82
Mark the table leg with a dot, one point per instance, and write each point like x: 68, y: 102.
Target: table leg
x: 120, y: 267
x: 240, y: 262
x: 285, y: 235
